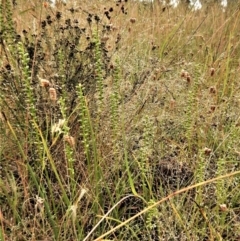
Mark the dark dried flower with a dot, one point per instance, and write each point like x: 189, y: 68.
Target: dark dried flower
x: 58, y: 15
x: 44, y: 24
x: 207, y: 151
x: 89, y: 18
x: 107, y: 15
x: 96, y: 17
x: 133, y: 20
x: 72, y: 10
x: 212, y: 90
x: 213, y: 108
x: 68, y: 21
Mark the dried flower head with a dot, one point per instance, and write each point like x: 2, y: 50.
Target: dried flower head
x: 188, y: 78
x: 172, y: 104
x: 70, y: 140
x: 184, y: 74
x: 212, y: 71
x: 45, y: 4
x: 52, y: 94
x: 212, y: 108
x: 133, y: 20
x: 223, y: 207
x: 212, y: 90
x: 44, y: 82
x: 207, y: 151
x: 39, y: 204
x: 57, y: 127
x: 105, y: 38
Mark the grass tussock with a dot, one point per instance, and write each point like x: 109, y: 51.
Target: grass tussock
x: 119, y: 120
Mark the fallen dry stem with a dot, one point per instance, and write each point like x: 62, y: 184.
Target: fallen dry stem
x: 165, y: 199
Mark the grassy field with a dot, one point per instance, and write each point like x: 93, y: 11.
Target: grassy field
x: 119, y: 121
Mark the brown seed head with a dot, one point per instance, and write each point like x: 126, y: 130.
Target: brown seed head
x: 207, y: 151
x: 188, y: 78
x: 212, y: 71
x: 184, y: 74
x: 44, y: 82
x: 172, y: 104
x: 212, y: 90
x: 45, y: 4
x: 213, y: 108
x: 70, y: 140
x: 133, y: 20
x: 104, y: 38
x: 223, y: 207
x: 52, y: 94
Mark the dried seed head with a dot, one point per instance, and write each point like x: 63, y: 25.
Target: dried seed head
x: 70, y: 140
x: 223, y: 207
x: 212, y: 90
x: 44, y: 82
x: 52, y: 94
x: 172, y: 104
x: 188, y: 78
x: 39, y: 206
x: 212, y: 71
x: 133, y: 20
x: 184, y: 74
x: 207, y: 151
x: 45, y: 4
x: 213, y: 108
x: 104, y: 38
x: 114, y: 28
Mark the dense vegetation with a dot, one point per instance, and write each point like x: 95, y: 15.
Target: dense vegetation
x: 119, y: 121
